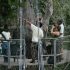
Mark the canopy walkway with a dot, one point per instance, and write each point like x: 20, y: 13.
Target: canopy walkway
x: 16, y: 63
x: 14, y: 58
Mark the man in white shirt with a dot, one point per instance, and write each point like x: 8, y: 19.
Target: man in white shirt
x: 60, y: 22
x: 61, y: 30
x: 37, y: 34
x: 5, y: 44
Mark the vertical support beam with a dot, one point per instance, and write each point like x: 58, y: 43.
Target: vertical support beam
x: 37, y: 9
x: 39, y: 44
x: 55, y: 53
x: 9, y: 54
x: 41, y: 57
x: 24, y: 57
x: 22, y: 41
x: 39, y: 54
x: 39, y: 62
x: 20, y: 60
x: 20, y: 21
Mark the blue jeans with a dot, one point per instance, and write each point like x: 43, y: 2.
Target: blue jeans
x: 5, y: 46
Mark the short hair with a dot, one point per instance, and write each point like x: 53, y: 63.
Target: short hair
x: 60, y: 21
x: 39, y: 19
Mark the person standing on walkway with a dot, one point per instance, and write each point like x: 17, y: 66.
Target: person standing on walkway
x: 55, y: 33
x: 60, y: 22
x: 5, y: 43
x: 37, y: 33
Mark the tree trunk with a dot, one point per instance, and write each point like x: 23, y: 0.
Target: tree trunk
x: 30, y: 12
x: 48, y: 13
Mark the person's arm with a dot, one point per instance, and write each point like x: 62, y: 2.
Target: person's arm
x: 10, y: 36
x: 52, y: 29
x: 32, y: 26
x: 28, y: 22
x: 1, y: 37
x: 56, y: 33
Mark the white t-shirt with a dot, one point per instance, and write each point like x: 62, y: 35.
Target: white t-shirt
x: 7, y: 35
x: 62, y: 30
x: 37, y: 33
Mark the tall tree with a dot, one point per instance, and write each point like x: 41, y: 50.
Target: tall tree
x: 4, y: 10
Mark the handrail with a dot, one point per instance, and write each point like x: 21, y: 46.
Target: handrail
x: 10, y: 56
x: 17, y: 56
x: 42, y: 39
x: 52, y: 55
x: 57, y: 37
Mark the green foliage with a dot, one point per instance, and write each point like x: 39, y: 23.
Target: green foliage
x: 42, y: 6
x: 9, y: 9
x: 60, y: 8
x: 14, y: 4
x: 4, y: 8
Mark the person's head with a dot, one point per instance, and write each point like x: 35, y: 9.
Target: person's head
x: 40, y: 19
x: 5, y: 27
x: 55, y: 24
x: 57, y: 27
x: 40, y: 22
x: 60, y: 21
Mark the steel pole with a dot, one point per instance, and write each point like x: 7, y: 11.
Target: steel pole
x: 20, y: 21
x: 55, y: 53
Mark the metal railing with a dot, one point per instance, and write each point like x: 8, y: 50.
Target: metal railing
x: 15, y: 44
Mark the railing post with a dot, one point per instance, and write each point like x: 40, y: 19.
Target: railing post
x: 40, y: 57
x: 9, y: 55
x: 0, y: 48
x: 24, y: 57
x: 39, y: 62
x: 41, y: 53
x: 21, y: 37
x: 54, y: 53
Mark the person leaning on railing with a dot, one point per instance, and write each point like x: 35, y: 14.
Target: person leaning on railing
x: 61, y: 24
x: 55, y: 30
x: 5, y: 42
x: 55, y: 33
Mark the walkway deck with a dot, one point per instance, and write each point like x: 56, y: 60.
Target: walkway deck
x: 16, y: 63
